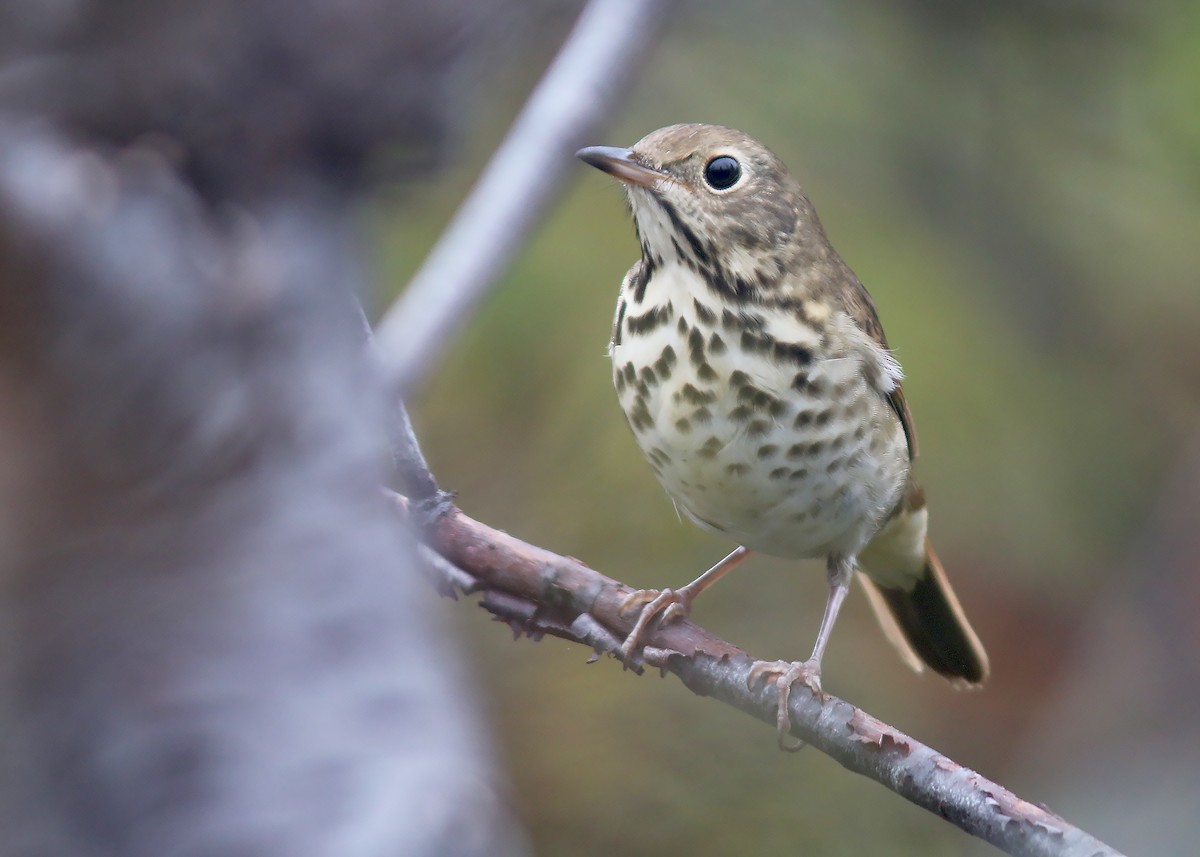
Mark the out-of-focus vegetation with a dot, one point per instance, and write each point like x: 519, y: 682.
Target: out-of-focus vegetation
x: 1019, y: 187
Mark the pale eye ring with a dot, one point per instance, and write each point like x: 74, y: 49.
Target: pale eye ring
x: 722, y: 172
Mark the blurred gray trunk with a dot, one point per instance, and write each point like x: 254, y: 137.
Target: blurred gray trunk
x: 212, y: 641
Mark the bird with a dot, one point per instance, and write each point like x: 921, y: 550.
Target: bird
x: 753, y: 370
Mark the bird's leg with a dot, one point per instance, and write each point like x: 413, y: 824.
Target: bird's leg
x: 838, y: 571
x: 672, y: 603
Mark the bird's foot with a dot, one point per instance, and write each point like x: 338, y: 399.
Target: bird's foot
x: 668, y: 604
x: 786, y: 674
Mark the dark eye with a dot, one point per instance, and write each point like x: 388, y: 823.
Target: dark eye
x: 722, y: 172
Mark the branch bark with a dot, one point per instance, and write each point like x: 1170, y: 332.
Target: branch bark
x: 585, y: 80
x: 538, y: 592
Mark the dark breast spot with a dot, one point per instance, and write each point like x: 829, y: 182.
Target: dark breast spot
x: 761, y: 400
x: 706, y: 315
x: 696, y: 346
x: 642, y: 278
x: 665, y: 362
x: 756, y: 343
x: 742, y: 320
x: 793, y: 306
x: 651, y: 319
x: 711, y: 447
x: 639, y: 415
x: 792, y: 352
x: 694, y: 395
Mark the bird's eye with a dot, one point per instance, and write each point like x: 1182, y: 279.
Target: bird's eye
x: 722, y: 172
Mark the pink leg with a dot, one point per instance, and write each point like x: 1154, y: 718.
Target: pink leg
x: 673, y: 603
x: 838, y: 571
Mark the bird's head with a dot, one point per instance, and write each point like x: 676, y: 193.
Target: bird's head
x: 716, y: 200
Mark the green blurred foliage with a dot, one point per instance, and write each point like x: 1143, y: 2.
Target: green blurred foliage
x: 1017, y: 184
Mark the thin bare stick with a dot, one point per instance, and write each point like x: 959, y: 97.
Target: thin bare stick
x: 581, y: 86
x: 415, y: 478
x: 538, y: 592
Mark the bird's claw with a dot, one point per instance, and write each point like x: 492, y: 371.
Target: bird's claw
x: 675, y: 612
x: 638, y: 598
x: 670, y: 603
x: 786, y: 674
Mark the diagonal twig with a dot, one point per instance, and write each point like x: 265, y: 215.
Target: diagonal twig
x: 414, y: 477
x: 585, y: 80
x: 538, y: 592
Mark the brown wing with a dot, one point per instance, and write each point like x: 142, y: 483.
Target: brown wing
x: 900, y: 406
x: 862, y: 309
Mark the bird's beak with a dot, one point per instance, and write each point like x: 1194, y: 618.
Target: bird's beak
x: 619, y: 164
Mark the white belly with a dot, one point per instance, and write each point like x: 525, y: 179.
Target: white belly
x: 785, y: 471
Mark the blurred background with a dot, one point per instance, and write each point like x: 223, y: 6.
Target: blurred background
x: 1019, y: 187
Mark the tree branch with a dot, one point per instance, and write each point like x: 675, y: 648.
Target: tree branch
x: 537, y: 592
x: 589, y: 74
x: 416, y: 481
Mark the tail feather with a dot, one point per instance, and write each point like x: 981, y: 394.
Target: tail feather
x: 913, y: 601
x: 928, y: 625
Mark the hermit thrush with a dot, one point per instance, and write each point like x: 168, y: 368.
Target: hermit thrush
x: 754, y: 372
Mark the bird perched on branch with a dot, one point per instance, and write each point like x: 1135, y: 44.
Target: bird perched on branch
x: 754, y: 372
